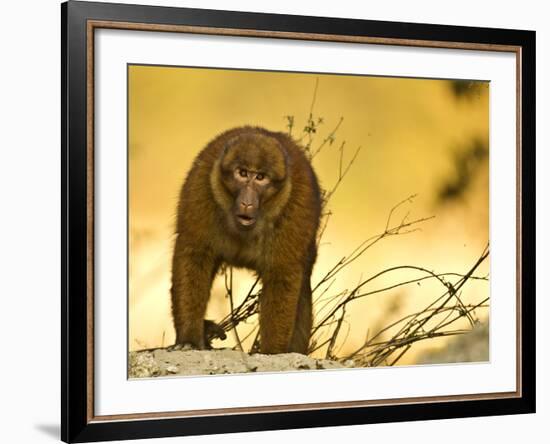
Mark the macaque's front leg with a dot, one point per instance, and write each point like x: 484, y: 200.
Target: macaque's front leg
x: 192, y: 275
x: 278, y: 307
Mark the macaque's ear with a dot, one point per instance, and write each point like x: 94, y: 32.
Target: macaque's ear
x: 280, y: 164
x: 230, y: 143
x: 227, y: 156
x: 285, y: 153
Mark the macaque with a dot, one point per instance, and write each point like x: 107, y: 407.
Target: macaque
x: 251, y: 199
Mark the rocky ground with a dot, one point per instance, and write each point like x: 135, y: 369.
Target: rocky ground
x: 470, y: 347
x: 166, y: 362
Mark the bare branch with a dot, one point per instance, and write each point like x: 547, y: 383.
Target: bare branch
x: 329, y: 139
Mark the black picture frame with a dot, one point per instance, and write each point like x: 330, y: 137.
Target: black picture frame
x: 77, y: 423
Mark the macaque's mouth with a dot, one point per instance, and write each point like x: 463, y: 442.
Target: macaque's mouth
x: 246, y: 221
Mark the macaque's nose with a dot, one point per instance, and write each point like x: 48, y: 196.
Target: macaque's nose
x: 247, y: 207
x: 248, y: 201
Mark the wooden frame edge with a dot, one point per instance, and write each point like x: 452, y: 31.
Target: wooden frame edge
x: 236, y: 32
x: 90, y: 118
x: 301, y: 407
x: 105, y: 24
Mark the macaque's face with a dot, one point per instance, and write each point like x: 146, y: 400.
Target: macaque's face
x: 253, y: 170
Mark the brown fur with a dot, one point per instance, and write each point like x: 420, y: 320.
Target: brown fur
x: 280, y: 245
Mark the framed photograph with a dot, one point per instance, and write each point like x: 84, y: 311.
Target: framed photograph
x: 275, y: 221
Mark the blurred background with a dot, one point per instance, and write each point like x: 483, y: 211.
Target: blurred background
x: 428, y: 138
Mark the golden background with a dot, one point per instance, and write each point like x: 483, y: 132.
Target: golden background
x: 414, y: 134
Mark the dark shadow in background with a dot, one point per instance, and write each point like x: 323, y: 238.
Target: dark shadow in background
x: 467, y: 89
x: 467, y: 164
x: 469, y: 159
x: 52, y: 430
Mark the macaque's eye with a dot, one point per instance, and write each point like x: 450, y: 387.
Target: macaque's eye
x: 260, y: 177
x: 242, y: 172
